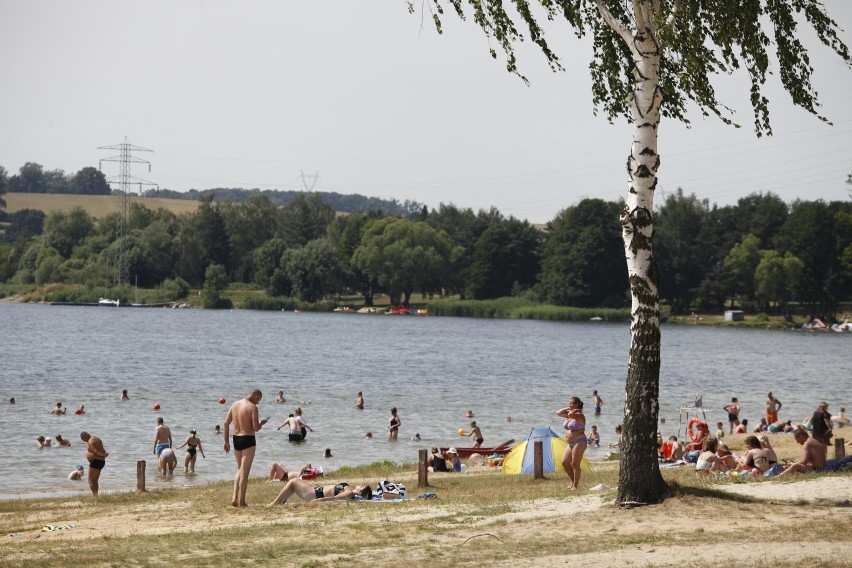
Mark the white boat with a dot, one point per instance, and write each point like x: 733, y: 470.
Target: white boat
x: 107, y: 303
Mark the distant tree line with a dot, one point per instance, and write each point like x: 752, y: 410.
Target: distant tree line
x: 351, y: 203
x: 33, y: 178
x: 760, y: 254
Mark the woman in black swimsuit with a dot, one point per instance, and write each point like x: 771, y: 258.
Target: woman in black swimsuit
x: 393, y: 424
x: 308, y: 492
x: 193, y: 445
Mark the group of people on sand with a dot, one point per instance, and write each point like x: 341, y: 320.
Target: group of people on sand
x: 711, y: 454
x: 760, y: 458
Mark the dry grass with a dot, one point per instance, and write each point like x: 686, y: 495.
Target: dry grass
x: 95, y: 205
x: 481, y: 517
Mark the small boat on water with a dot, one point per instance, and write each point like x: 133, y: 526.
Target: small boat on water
x: 500, y: 449
x: 107, y: 303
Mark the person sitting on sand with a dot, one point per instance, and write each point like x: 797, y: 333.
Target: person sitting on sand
x: 617, y: 443
x: 677, y: 449
x: 743, y: 427
x: 280, y: 473
x: 168, y: 461
x: 309, y: 493
x: 813, y: 454
x: 755, y: 456
x: 707, y: 463
x: 700, y: 437
x: 453, y: 461
x: 60, y: 441
x: 724, y: 457
x: 767, y: 447
x: 821, y: 424
x: 436, y: 461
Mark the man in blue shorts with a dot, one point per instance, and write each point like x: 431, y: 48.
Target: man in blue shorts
x: 162, y: 437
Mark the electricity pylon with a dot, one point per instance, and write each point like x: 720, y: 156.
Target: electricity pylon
x: 314, y: 179
x: 124, y: 179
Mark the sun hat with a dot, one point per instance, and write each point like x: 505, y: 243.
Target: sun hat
x: 452, y: 451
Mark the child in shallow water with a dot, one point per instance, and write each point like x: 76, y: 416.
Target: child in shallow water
x: 595, y: 437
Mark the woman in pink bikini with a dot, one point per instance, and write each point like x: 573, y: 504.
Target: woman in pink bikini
x: 575, y: 426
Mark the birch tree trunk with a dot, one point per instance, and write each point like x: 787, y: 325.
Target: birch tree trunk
x: 640, y: 481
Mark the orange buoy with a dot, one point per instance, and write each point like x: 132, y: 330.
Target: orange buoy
x: 221, y: 400
x: 157, y: 406
x: 461, y: 432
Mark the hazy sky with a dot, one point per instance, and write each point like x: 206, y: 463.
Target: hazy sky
x: 251, y: 94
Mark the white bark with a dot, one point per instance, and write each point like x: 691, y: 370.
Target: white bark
x: 640, y: 481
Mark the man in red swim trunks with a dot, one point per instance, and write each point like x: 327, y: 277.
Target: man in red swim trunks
x: 773, y: 405
x: 246, y: 420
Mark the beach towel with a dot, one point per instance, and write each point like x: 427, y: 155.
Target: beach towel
x: 388, y: 491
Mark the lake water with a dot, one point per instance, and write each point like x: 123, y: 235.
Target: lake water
x: 432, y: 369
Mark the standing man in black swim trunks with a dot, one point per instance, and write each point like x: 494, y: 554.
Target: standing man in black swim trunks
x: 246, y: 419
x: 96, y: 454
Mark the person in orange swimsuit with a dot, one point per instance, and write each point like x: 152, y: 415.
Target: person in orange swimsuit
x: 773, y: 405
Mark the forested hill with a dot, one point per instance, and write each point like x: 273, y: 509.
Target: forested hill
x: 33, y: 178
x: 337, y: 201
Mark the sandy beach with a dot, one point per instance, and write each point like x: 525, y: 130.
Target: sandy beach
x: 481, y: 517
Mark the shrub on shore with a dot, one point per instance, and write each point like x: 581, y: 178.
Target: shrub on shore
x: 519, y: 308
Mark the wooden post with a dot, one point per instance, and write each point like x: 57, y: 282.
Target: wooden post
x: 839, y: 448
x: 538, y: 460
x: 140, y: 476
x: 422, y: 469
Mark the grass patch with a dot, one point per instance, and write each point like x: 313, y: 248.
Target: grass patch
x: 520, y: 308
x: 478, y: 516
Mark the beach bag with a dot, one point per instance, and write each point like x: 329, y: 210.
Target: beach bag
x: 388, y: 490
